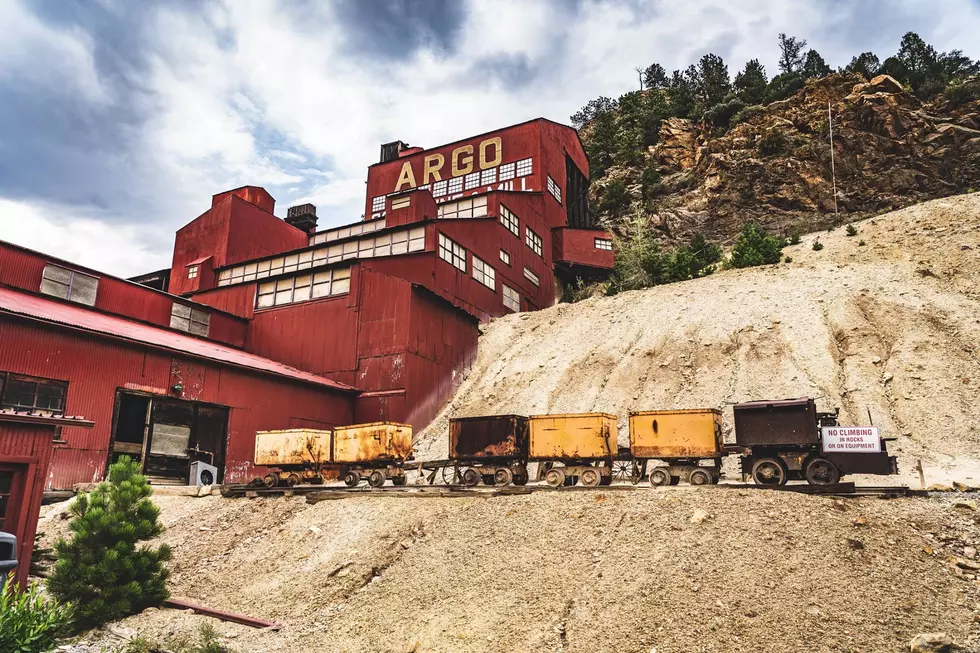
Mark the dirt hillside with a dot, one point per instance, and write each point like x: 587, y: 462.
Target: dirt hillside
x: 666, y: 570
x: 891, y: 327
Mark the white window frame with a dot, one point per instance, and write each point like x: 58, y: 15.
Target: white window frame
x: 554, y: 189
x: 192, y: 271
x: 525, y: 167
x: 452, y: 252
x: 512, y: 298
x: 603, y: 243
x: 510, y: 220
x: 532, y: 277
x: 505, y: 257
x: 533, y: 240
x: 70, y: 285
x: 302, y: 288
x: 473, y: 207
x: 484, y: 273
x: 190, y: 319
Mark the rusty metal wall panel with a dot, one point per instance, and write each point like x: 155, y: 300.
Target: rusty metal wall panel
x: 778, y: 423
x: 488, y: 437
x: 20, y: 268
x: 572, y: 436
x: 577, y: 247
x: 292, y: 447
x: 380, y: 441
x: 34, y: 442
x: 237, y: 300
x: 676, y: 433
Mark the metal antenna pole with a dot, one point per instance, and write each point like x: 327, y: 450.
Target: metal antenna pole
x: 833, y: 170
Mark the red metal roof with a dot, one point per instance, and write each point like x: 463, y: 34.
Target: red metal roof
x: 40, y: 308
x: 41, y: 417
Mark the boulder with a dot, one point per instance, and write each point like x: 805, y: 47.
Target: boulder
x: 933, y: 643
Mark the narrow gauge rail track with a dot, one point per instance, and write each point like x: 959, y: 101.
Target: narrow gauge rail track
x: 315, y: 494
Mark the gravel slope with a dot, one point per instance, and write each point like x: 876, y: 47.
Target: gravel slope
x: 890, y: 327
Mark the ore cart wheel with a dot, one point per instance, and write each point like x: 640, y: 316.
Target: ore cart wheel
x: 700, y: 477
x: 521, y: 476
x: 659, y: 477
x: 293, y: 480
x: 399, y: 480
x: 376, y: 478
x: 627, y: 470
x: 471, y: 477
x: 351, y: 479
x: 270, y: 480
x: 769, y: 471
x: 590, y: 477
x: 555, y: 477
x: 316, y: 480
x: 503, y: 476
x: 450, y: 475
x: 821, y: 471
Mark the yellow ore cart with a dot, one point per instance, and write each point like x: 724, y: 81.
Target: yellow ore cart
x: 295, y: 454
x: 687, y: 442
x: 584, y: 444
x: 376, y: 451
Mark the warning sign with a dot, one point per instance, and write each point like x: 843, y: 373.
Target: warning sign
x: 851, y: 439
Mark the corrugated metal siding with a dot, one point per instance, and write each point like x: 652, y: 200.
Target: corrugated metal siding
x: 577, y: 246
x: 33, y: 441
x: 238, y: 300
x: 95, y: 368
x: 20, y: 269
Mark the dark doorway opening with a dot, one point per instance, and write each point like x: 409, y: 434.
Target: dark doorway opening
x: 166, y: 435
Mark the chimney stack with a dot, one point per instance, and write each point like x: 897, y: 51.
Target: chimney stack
x: 302, y: 217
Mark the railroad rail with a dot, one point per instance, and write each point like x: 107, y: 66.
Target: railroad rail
x: 315, y: 494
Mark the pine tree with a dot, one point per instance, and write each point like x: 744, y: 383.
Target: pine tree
x: 866, y: 64
x: 103, y: 569
x: 750, y: 84
x: 790, y: 54
x: 814, y: 66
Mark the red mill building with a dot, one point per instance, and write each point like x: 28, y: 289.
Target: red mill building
x: 271, y: 324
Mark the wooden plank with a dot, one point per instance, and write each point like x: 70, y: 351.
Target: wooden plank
x: 184, y: 604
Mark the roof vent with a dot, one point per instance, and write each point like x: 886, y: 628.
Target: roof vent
x: 303, y: 217
x: 389, y: 151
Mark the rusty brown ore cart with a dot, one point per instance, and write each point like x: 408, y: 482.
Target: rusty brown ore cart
x: 491, y: 448
x: 788, y: 439
x: 688, y: 443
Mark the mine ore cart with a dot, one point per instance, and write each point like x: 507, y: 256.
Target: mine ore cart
x: 573, y: 448
x: 376, y: 452
x: 688, y: 444
x: 491, y: 448
x: 788, y: 439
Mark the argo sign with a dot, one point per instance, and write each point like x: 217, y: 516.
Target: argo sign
x: 851, y: 439
x: 489, y: 153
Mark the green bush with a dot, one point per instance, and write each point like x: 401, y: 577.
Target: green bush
x: 862, y: 243
x: 641, y: 262
x: 962, y: 93
x: 722, y: 114
x: 794, y: 237
x: 650, y: 179
x: 851, y: 230
x: 817, y: 245
x: 30, y: 623
x: 615, y: 200
x: 747, y: 114
x: 207, y: 642
x: 103, y: 569
x: 788, y: 259
x: 755, y: 247
x: 773, y: 142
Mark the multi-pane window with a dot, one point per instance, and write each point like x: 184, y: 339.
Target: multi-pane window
x: 554, y: 189
x: 524, y: 167
x: 390, y: 244
x: 455, y: 185
x: 401, y: 202
x: 378, y: 204
x: 505, y: 257
x: 533, y: 241
x: 340, y: 233
x: 509, y: 220
x: 507, y: 171
x: 30, y: 393
x: 439, y: 188
x: 512, y: 298
x: 452, y: 252
x: 192, y: 320
x: 488, y: 177
x: 303, y: 287
x: 472, y: 180
x: 483, y: 273
x: 603, y: 243
x: 475, y: 207
x: 533, y: 278
x: 69, y: 284
x: 192, y: 271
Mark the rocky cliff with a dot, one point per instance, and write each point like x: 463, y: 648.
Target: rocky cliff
x: 890, y: 150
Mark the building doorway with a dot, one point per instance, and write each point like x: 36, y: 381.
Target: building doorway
x: 166, y: 435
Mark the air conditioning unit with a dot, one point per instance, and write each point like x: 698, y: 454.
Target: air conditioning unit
x: 8, y: 557
x: 202, y: 474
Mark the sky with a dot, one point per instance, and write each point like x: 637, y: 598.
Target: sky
x: 120, y: 119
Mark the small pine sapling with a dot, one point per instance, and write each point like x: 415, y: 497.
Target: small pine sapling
x: 817, y: 245
x: 851, y: 230
x: 104, y: 569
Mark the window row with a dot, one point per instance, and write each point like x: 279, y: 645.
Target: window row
x: 32, y: 393
x: 303, y: 287
x: 475, y: 207
x: 452, y: 252
x: 533, y: 240
x: 190, y: 319
x: 603, y: 243
x: 554, y: 189
x: 340, y: 233
x: 391, y: 244
x: 68, y: 284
